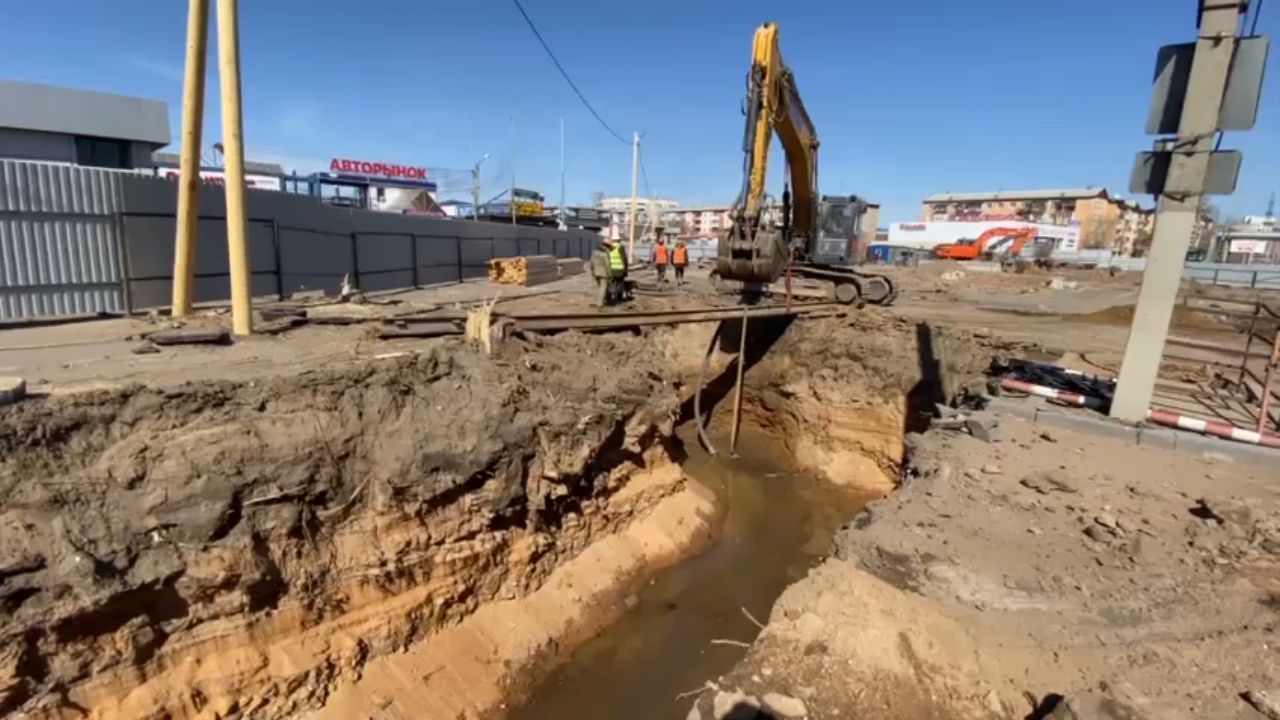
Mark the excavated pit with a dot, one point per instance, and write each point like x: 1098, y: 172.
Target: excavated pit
x: 428, y: 536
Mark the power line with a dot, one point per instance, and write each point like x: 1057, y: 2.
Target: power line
x: 565, y: 74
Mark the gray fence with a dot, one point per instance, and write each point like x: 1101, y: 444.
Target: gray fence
x: 79, y: 240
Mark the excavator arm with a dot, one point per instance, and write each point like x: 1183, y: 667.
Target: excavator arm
x: 755, y: 250
x: 774, y: 105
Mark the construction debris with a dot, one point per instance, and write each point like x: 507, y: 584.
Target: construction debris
x: 526, y: 271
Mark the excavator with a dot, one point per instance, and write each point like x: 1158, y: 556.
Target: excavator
x: 974, y: 249
x: 814, y: 236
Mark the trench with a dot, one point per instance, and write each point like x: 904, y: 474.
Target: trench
x: 777, y: 522
x: 445, y: 535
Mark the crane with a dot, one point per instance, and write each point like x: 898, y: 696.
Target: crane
x: 814, y: 236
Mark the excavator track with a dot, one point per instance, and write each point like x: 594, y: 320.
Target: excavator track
x: 872, y: 288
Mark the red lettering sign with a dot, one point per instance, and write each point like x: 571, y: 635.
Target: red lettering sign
x: 376, y: 169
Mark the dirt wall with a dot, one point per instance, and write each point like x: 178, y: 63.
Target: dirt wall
x: 240, y: 549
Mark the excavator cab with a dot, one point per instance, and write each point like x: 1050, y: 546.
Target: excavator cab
x: 838, y: 221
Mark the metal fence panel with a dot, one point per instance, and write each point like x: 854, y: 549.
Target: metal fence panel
x: 59, y: 240
x: 50, y: 188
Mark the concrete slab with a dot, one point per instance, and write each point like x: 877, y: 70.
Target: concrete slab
x: 12, y: 389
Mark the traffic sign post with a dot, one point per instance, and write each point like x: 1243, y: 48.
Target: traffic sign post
x: 1190, y: 96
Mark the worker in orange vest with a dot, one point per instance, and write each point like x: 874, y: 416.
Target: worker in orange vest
x: 679, y: 259
x: 661, y: 258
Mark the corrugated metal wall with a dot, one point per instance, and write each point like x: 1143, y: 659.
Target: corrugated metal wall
x: 59, y: 240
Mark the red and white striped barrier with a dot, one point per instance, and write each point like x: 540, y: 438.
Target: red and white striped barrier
x: 1212, y: 427
x: 1062, y: 396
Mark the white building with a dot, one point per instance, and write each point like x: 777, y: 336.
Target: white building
x: 928, y: 235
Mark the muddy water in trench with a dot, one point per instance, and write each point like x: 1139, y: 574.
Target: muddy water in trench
x: 779, y: 521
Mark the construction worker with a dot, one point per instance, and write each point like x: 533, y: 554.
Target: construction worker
x: 613, y: 287
x: 600, y: 271
x: 680, y: 259
x: 661, y: 257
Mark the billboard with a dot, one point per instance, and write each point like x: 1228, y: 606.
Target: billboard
x: 218, y: 176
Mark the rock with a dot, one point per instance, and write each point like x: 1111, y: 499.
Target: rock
x: 1050, y: 481
x: 1231, y: 510
x: 972, y: 474
x: 1047, y: 436
x: 1060, y: 283
x: 1266, y: 702
x: 694, y: 713
x: 952, y: 275
x: 1107, y: 521
x: 984, y: 426
x: 734, y: 706
x: 12, y: 389
x: 992, y: 700
x: 144, y: 348
x: 991, y: 469
x: 784, y: 706
x: 1098, y: 533
x: 1090, y: 706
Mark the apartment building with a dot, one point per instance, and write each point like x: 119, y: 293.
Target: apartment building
x: 1104, y: 221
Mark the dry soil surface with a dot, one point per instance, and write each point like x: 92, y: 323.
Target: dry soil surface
x: 1133, y: 582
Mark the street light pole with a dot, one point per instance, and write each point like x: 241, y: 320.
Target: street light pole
x: 475, y: 187
x: 635, y: 170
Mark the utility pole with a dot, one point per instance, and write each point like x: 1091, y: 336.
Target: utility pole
x: 475, y: 187
x: 635, y: 170
x: 1177, y: 212
x: 512, y: 198
x: 184, y: 245
x: 562, y: 223
x: 233, y: 141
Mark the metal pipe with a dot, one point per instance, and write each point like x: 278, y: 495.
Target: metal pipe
x: 697, y: 395
x: 1212, y: 427
x: 233, y: 148
x: 184, y: 242
x: 1264, y: 407
x: 1062, y: 396
x: 737, y: 390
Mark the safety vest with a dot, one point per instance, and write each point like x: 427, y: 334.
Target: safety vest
x: 681, y: 255
x: 616, y: 263
x: 660, y: 254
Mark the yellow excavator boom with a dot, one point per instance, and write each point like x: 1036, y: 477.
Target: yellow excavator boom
x: 778, y: 108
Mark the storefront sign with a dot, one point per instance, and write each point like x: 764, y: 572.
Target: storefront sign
x: 911, y: 227
x: 219, y: 177
x: 377, y: 169
x: 1249, y: 247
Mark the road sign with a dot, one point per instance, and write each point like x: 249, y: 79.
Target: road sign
x: 1239, y: 102
x: 1150, y: 174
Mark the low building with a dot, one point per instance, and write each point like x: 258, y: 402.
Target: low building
x: 80, y: 127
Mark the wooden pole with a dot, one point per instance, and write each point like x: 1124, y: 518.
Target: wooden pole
x: 635, y: 169
x: 233, y: 143
x: 184, y: 243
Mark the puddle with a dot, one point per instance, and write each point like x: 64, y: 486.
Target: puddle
x: 779, y: 523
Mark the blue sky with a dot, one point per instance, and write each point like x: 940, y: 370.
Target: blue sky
x: 908, y: 98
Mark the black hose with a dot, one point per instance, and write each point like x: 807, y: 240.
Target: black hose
x: 697, y: 396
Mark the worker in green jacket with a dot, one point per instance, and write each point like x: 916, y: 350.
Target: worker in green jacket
x: 613, y: 284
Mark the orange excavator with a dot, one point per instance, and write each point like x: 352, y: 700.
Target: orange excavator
x: 974, y: 249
